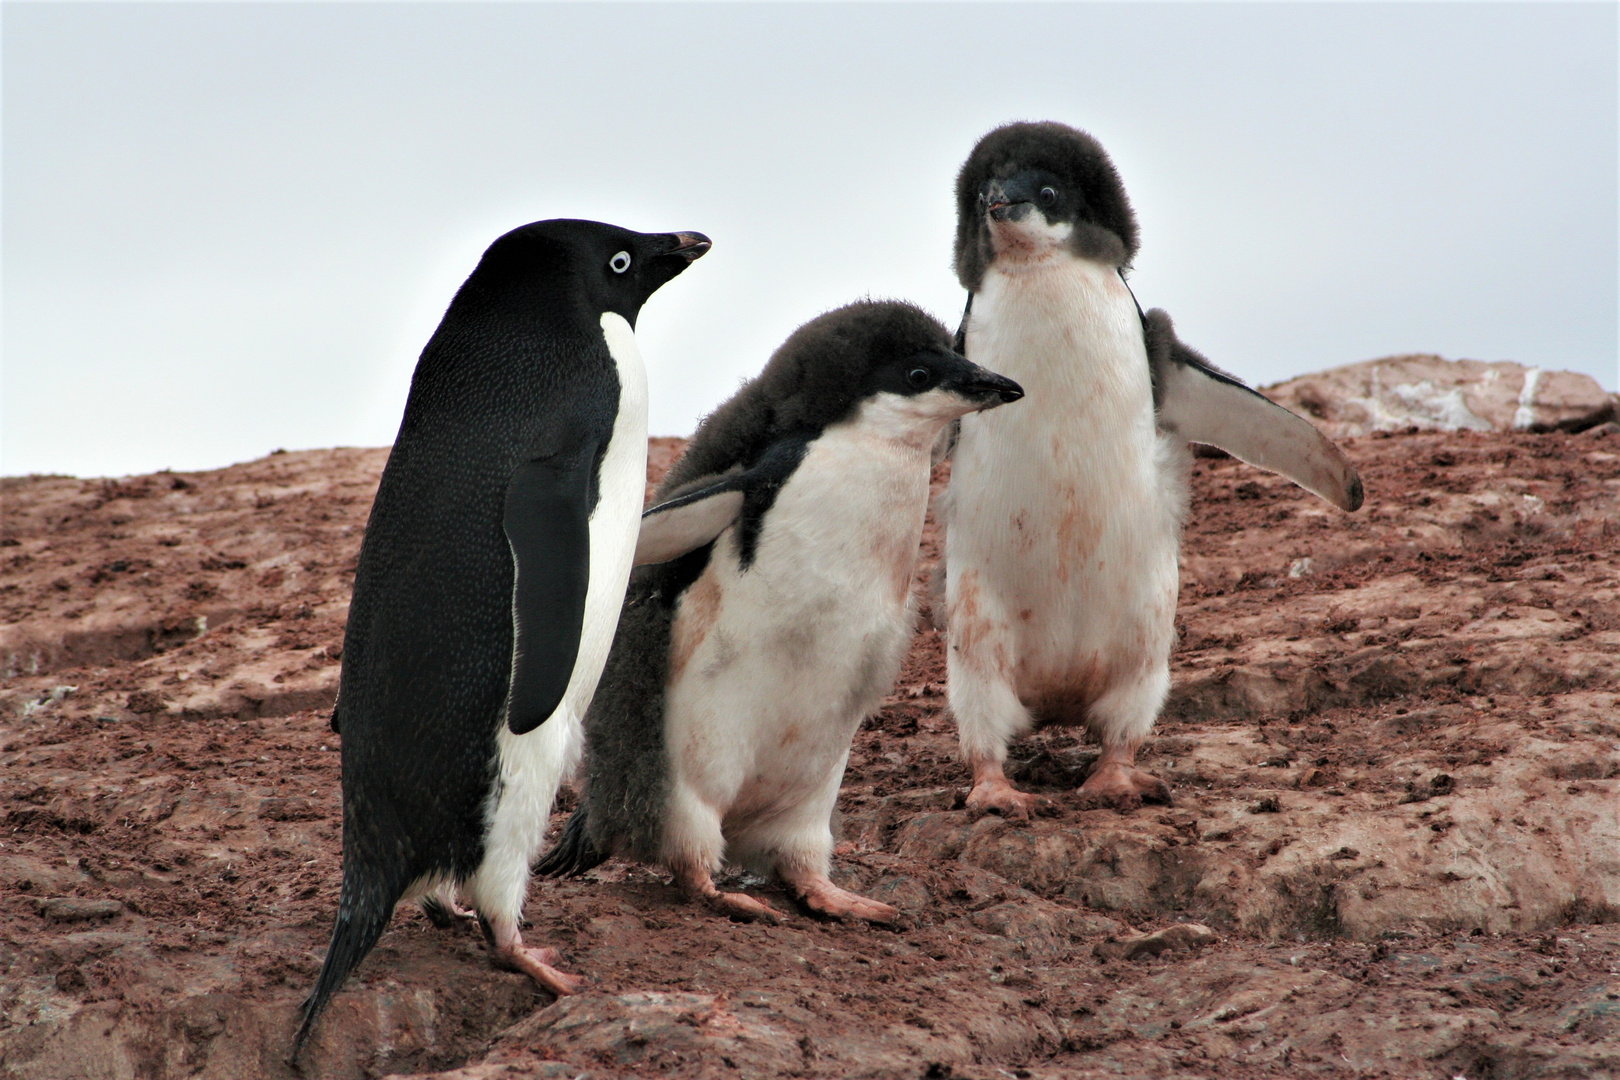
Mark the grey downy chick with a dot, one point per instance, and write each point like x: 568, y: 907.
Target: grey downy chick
x: 1063, y: 522
x: 777, y: 614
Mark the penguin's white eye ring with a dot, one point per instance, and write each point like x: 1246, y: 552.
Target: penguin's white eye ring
x: 919, y: 377
x: 1048, y: 196
x: 620, y: 262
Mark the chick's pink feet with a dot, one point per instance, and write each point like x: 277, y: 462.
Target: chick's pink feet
x: 817, y: 892
x: 993, y: 793
x: 1115, y: 781
x: 696, y: 882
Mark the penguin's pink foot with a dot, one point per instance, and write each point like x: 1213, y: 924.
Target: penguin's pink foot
x: 993, y: 793
x: 742, y: 907
x: 534, y: 961
x: 1115, y: 781
x: 696, y: 882
x: 820, y: 895
x: 537, y: 964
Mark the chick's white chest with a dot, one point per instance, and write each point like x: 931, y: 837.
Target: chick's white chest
x: 1064, y: 510
x: 773, y: 667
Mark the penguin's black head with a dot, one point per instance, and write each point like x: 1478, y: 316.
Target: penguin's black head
x: 873, y: 350
x: 833, y: 364
x: 582, y: 268
x: 1030, y: 188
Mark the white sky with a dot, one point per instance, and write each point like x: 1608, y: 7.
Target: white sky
x: 230, y: 227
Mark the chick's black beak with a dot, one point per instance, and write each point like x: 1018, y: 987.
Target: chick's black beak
x: 689, y: 245
x: 988, y: 387
x: 1008, y: 200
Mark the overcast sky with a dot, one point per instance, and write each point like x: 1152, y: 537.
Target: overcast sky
x: 230, y: 227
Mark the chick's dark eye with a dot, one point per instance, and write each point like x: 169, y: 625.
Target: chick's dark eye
x: 919, y: 377
x: 1048, y: 196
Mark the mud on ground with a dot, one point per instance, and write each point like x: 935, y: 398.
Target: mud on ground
x: 1394, y: 739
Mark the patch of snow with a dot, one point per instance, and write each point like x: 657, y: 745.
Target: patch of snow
x: 1422, y: 405
x: 1445, y: 409
x: 1525, y: 415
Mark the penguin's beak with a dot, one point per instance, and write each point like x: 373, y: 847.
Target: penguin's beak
x: 986, y: 387
x: 1008, y: 200
x: 689, y: 245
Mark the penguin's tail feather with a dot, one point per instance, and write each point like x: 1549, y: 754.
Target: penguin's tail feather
x: 364, y: 910
x: 573, y: 853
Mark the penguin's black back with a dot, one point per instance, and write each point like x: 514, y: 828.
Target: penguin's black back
x: 517, y: 369
x: 511, y: 411
x: 427, y: 653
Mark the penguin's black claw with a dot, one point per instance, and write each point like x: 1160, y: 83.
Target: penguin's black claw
x: 445, y: 914
x: 437, y: 913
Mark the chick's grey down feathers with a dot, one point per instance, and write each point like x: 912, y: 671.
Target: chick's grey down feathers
x: 816, y: 378
x: 1104, y: 225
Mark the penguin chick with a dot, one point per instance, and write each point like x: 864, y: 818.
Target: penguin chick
x: 1063, y: 522
x: 778, y: 614
x: 489, y: 584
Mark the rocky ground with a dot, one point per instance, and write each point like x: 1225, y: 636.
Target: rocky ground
x: 1394, y: 739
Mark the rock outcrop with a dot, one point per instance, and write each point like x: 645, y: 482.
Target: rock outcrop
x: 1428, y: 393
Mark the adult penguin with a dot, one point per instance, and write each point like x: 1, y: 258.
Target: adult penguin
x: 490, y: 581
x: 1064, y: 516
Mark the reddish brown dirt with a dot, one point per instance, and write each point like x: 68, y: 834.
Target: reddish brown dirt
x: 1394, y: 739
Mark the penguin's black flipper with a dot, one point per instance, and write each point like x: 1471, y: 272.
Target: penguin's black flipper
x: 1203, y: 404
x: 548, y: 510
x: 959, y: 339
x: 671, y: 529
x: 945, y: 445
x: 709, y: 504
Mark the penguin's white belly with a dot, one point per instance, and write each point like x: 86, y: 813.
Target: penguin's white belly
x: 617, y: 519
x: 1064, y: 520
x: 531, y: 766
x: 773, y: 668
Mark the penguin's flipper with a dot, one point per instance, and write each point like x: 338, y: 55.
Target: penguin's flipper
x: 1203, y: 404
x: 548, y: 511
x: 671, y: 529
x: 945, y: 445
x: 959, y: 339
x: 706, y: 506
